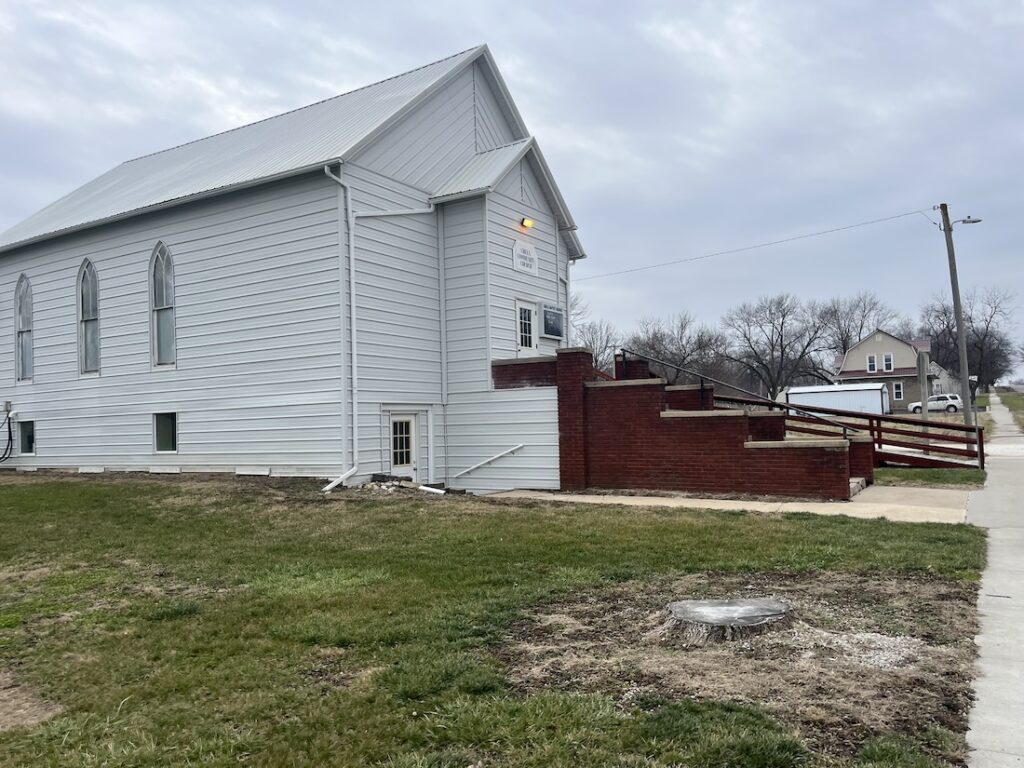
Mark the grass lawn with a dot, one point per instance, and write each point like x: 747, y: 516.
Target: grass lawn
x: 934, y: 478
x: 228, y: 622
x: 1015, y: 402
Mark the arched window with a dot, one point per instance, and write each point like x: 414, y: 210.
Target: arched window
x: 162, y: 295
x: 23, y: 330
x: 88, y: 319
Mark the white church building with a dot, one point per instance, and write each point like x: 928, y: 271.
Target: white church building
x: 321, y: 293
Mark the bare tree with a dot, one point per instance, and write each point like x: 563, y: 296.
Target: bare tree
x: 778, y: 341
x: 601, y: 338
x: 579, y: 310
x: 847, y: 320
x: 680, y: 341
x: 988, y: 315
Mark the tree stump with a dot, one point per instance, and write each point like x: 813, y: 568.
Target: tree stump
x: 700, y: 622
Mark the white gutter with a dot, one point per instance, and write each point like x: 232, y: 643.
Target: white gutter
x: 350, y: 223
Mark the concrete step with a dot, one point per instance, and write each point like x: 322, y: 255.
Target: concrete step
x: 857, y: 484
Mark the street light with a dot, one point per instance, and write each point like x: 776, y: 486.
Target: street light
x: 958, y: 312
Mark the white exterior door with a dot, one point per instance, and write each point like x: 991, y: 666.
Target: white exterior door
x: 526, y: 329
x: 403, y: 445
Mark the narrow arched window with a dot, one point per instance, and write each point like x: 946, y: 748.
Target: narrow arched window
x: 88, y: 319
x: 162, y: 295
x: 24, y: 362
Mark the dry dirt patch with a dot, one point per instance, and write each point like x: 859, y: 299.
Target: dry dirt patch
x: 20, y: 706
x: 865, y: 654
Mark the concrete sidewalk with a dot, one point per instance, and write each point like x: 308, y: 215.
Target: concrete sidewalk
x: 907, y: 505
x: 996, y: 732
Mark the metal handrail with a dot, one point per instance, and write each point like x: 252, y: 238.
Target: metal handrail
x: 762, y: 399
x: 507, y: 451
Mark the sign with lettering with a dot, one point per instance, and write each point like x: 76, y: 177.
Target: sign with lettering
x: 524, y: 258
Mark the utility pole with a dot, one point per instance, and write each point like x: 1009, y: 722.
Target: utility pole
x: 958, y: 313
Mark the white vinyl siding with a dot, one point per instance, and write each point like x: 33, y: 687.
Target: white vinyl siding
x: 507, y: 285
x: 398, y: 308
x: 256, y: 290
x: 484, y: 424
x: 493, y: 124
x: 465, y: 298
x: 439, y: 137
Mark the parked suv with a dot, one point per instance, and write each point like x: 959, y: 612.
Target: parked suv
x: 947, y: 403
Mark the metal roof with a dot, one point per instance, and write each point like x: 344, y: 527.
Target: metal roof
x: 482, y: 172
x: 836, y: 388
x: 279, y: 146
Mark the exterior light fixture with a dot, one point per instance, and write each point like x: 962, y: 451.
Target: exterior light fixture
x: 527, y: 223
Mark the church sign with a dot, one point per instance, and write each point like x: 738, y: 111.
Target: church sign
x: 524, y: 258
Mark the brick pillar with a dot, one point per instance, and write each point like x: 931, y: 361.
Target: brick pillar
x: 862, y: 457
x: 631, y: 369
x: 574, y: 367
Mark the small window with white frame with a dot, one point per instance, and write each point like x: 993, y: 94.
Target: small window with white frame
x: 897, y: 390
x: 872, y: 366
x: 526, y: 328
x: 887, y: 361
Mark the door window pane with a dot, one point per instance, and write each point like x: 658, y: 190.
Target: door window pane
x: 401, y: 443
x: 525, y: 327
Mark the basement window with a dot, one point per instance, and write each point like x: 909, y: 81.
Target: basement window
x: 165, y: 428
x: 27, y: 438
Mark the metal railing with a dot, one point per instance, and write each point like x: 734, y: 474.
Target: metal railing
x: 756, y: 399
x: 496, y: 456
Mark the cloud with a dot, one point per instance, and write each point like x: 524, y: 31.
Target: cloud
x: 673, y: 128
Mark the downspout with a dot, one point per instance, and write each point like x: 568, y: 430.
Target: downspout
x: 350, y: 223
x: 354, y: 364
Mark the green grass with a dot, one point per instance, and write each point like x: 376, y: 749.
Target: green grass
x: 227, y: 624
x: 1015, y: 402
x: 981, y: 400
x: 974, y: 478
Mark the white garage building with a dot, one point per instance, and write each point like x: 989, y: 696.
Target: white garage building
x: 319, y: 293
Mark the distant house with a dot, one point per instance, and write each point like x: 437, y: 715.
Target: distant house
x: 882, y: 357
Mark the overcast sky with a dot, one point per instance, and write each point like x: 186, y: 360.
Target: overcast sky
x: 674, y: 129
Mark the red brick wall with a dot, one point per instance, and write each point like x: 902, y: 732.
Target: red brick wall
x: 689, y: 399
x: 615, y: 437
x: 862, y: 460
x: 516, y: 375
x: 771, y: 427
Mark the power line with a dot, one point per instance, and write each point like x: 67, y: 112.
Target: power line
x: 751, y: 247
